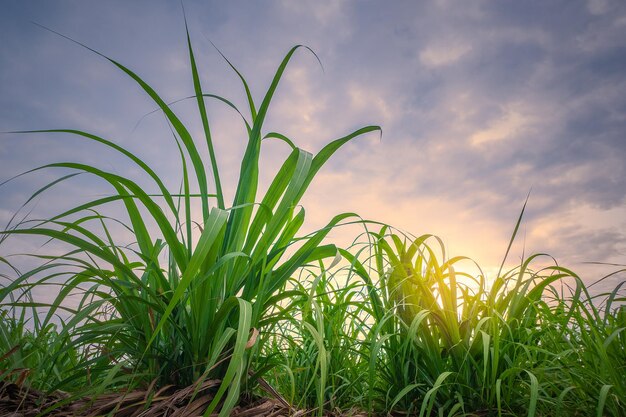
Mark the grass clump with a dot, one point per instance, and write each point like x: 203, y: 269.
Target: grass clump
x: 181, y: 305
x: 430, y: 339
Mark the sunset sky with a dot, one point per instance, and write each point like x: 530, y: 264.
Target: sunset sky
x: 480, y: 102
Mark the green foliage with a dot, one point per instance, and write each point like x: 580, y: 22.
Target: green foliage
x: 433, y: 339
x: 321, y: 345
x: 25, y: 350
x: 180, y: 304
x: 417, y: 333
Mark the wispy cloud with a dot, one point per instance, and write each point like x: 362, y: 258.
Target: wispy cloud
x: 479, y: 103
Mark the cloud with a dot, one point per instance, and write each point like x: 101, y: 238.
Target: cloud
x: 598, y: 7
x: 511, y: 123
x: 372, y: 103
x: 479, y: 102
x: 444, y: 53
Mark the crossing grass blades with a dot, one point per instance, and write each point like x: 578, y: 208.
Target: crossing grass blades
x: 195, y: 317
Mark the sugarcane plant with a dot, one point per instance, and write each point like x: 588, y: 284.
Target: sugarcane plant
x: 446, y: 341
x: 185, y: 303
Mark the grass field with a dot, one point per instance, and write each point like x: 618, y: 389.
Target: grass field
x: 389, y: 325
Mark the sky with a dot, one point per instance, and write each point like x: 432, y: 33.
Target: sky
x: 480, y: 103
